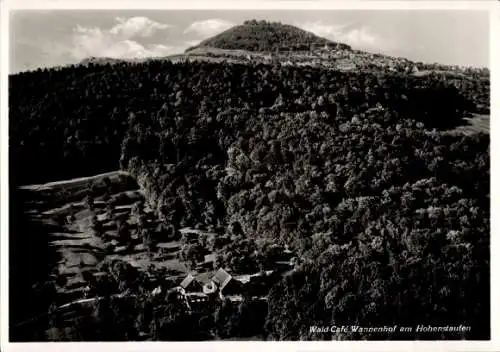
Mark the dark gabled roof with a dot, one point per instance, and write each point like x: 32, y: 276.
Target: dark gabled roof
x: 221, y: 278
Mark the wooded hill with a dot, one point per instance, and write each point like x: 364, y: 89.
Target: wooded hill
x: 256, y: 35
x: 389, y: 216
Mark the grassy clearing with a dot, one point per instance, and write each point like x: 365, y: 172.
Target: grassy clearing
x: 476, y: 124
x: 448, y: 73
x: 61, y: 196
x: 61, y: 205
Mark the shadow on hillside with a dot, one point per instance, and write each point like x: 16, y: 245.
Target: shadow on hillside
x: 437, y: 107
x: 31, y: 262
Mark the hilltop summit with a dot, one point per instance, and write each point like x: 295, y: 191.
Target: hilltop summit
x: 262, y: 36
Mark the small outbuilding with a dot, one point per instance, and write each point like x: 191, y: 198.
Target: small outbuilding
x: 190, y: 284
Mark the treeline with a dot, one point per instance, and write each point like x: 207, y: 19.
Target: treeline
x: 76, y: 126
x: 160, y: 318
x: 125, y: 310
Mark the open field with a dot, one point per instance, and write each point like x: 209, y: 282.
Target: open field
x: 79, y: 184
x: 476, y: 124
x: 62, y: 210
x: 61, y: 206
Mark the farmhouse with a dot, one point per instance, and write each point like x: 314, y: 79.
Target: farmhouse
x: 208, y: 261
x: 192, y: 235
x: 210, y: 258
x: 199, y: 288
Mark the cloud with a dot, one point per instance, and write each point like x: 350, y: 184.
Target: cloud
x: 119, y: 41
x: 192, y: 42
x: 209, y: 27
x: 356, y: 36
x: 136, y: 26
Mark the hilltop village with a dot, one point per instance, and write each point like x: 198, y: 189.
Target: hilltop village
x: 329, y: 57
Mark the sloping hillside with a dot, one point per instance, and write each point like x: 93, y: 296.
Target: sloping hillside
x: 345, y: 168
x: 267, y: 36
x: 65, y: 246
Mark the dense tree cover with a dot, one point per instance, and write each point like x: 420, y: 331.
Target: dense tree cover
x: 256, y: 35
x: 75, y: 127
x: 376, y: 202
x: 377, y: 209
x: 390, y: 218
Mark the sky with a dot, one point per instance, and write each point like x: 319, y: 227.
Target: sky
x: 57, y: 37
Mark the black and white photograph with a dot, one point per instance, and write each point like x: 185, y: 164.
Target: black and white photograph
x: 247, y: 174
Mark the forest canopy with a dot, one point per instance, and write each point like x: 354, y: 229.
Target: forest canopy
x: 77, y: 126
x: 389, y: 217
